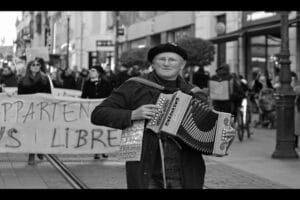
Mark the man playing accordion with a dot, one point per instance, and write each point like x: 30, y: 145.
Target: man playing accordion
x: 183, y: 166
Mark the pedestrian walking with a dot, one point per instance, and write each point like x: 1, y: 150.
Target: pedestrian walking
x: 96, y: 87
x: 184, y: 166
x: 34, y: 81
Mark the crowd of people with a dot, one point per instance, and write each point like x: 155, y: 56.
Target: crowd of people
x: 94, y: 83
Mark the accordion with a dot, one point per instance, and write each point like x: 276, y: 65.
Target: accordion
x: 193, y: 122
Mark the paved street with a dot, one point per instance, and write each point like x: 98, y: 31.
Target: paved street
x: 248, y: 165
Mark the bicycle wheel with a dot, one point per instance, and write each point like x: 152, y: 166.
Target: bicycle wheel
x: 240, y: 126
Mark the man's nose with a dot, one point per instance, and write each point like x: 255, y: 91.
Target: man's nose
x: 166, y: 62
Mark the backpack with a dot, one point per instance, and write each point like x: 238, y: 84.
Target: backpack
x: 221, y: 90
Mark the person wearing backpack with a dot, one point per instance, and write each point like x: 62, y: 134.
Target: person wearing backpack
x: 230, y: 91
x: 184, y: 166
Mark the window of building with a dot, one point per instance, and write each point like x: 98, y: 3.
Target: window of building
x: 39, y: 23
x: 139, y: 43
x: 155, y: 39
x: 221, y: 49
x: 263, y: 54
x: 182, y: 33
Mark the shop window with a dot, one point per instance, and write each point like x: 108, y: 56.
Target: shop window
x: 39, y: 23
x: 155, y: 40
x: 264, y: 51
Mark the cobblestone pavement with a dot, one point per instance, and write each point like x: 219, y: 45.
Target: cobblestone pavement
x: 96, y: 174
x: 221, y: 176
x: 110, y: 174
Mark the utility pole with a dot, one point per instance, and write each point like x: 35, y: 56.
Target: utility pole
x: 81, y: 40
x: 117, y: 22
x: 285, y: 99
x: 68, y: 41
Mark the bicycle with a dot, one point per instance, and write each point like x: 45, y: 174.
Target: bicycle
x: 243, y: 120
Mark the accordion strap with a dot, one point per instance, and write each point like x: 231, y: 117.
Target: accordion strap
x: 147, y: 82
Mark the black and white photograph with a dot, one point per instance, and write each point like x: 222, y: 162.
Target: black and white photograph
x: 159, y: 100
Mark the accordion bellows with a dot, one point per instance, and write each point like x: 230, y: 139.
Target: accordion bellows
x: 193, y: 122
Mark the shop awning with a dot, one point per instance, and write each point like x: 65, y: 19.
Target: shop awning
x: 231, y: 36
x: 257, y: 30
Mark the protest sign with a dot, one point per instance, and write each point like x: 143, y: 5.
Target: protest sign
x: 55, y: 91
x: 47, y: 124
x: 131, y: 142
x: 66, y: 92
x: 219, y: 90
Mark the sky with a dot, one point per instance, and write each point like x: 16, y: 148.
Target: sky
x: 7, y: 26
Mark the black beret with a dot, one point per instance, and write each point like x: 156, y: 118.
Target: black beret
x: 98, y: 68
x: 168, y: 47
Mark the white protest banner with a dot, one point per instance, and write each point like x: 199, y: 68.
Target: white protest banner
x: 66, y: 92
x: 33, y: 52
x: 55, y: 91
x: 47, y: 124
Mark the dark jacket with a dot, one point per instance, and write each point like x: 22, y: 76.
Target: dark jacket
x: 9, y: 80
x: 96, y: 89
x: 28, y: 85
x: 69, y: 81
x: 257, y: 86
x: 121, y: 77
x: 115, y: 111
x: 201, y: 78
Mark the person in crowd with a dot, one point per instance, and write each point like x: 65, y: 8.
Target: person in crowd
x: 236, y: 92
x: 57, y: 82
x: 96, y: 87
x: 8, y: 77
x: 34, y: 81
x: 261, y: 82
x: 126, y: 73
x: 68, y: 78
x: 83, y: 76
x: 122, y: 75
x: 201, y: 78
x: 112, y: 78
x: 184, y: 166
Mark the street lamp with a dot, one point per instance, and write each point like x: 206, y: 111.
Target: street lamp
x: 285, y: 99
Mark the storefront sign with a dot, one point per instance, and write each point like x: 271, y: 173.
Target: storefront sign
x: 258, y: 17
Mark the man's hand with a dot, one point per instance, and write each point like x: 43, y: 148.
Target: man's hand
x: 147, y: 111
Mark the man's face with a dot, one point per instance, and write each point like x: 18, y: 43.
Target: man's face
x: 168, y: 65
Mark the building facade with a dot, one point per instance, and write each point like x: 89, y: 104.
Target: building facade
x: 247, y: 40
x: 71, y: 37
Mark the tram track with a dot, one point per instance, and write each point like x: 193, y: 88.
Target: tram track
x: 66, y: 173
